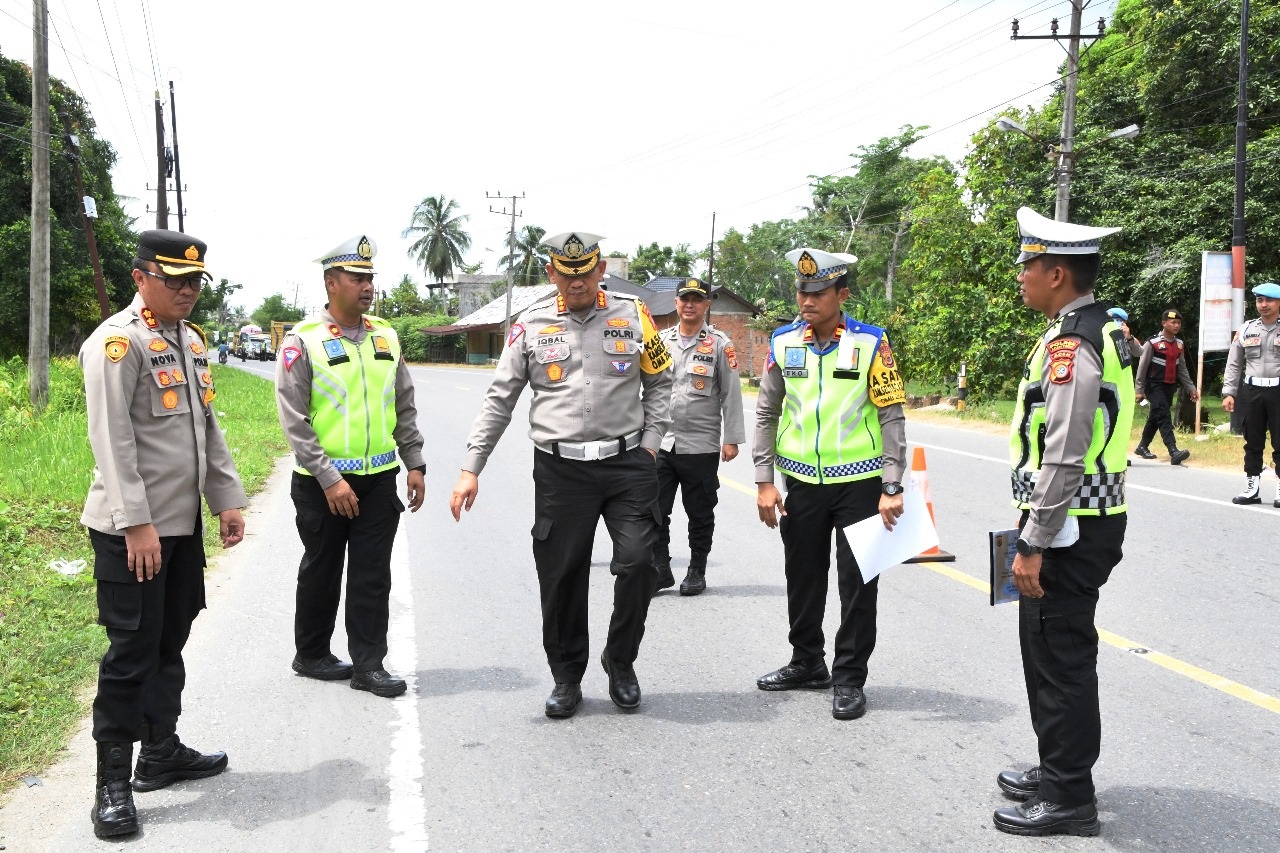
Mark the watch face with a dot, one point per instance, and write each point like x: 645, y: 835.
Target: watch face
x: 891, y: 488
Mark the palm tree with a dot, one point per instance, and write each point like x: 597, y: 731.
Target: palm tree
x: 526, y: 258
x: 440, y: 239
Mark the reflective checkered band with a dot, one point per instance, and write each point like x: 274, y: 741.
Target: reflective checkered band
x: 348, y: 465
x: 1097, y: 491
x: 852, y: 469
x: 339, y: 259
x: 796, y: 467
x: 382, y: 459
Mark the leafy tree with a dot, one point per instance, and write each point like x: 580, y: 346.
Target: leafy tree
x: 654, y: 260
x: 528, y: 261
x: 403, y: 301
x: 440, y: 241
x: 213, y: 308
x: 275, y: 308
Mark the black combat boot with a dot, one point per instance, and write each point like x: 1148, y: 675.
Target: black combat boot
x: 695, y: 580
x: 113, y: 810
x: 164, y: 759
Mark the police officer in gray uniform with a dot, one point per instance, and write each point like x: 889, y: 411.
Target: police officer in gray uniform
x: 157, y: 447
x: 601, y: 384
x: 1254, y: 362
x: 706, y: 400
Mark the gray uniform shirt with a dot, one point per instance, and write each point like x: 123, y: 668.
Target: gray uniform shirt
x: 156, y: 442
x: 893, y: 428
x: 706, y: 393
x: 586, y: 374
x: 293, y: 403
x: 1148, y: 353
x: 1256, y: 351
x: 1069, y: 411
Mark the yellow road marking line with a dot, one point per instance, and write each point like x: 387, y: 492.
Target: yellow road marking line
x: 1187, y: 670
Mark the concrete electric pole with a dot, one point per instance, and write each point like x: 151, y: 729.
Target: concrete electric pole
x: 38, y: 333
x: 511, y: 254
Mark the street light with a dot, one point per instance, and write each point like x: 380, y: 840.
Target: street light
x: 1064, y: 156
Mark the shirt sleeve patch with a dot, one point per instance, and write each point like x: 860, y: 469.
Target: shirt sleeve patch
x: 116, y: 346
x: 289, y: 355
x: 1062, y: 360
x: 517, y: 329
x: 884, y: 383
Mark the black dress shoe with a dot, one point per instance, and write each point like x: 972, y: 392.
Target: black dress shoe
x: 695, y: 582
x: 564, y: 700
x: 170, y: 760
x: 1142, y: 451
x: 666, y: 580
x: 797, y: 676
x: 327, y: 668
x: 1023, y: 784
x: 1037, y: 817
x: 378, y: 682
x: 848, y: 703
x: 624, y: 688
x: 1177, y: 457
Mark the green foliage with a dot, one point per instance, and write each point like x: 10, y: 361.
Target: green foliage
x: 213, y: 308
x: 439, y: 240
x: 526, y: 257
x: 275, y: 308
x: 654, y: 260
x: 403, y: 301
x: 417, y: 347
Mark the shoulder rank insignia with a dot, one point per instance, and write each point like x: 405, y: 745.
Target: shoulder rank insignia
x: 149, y: 318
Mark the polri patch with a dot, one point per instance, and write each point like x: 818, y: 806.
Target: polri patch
x: 116, y: 346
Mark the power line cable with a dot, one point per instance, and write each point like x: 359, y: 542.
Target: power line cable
x: 123, y: 95
x: 146, y: 25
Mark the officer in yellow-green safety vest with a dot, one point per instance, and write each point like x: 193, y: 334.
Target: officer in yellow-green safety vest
x: 345, y: 400
x: 1067, y: 450
x: 829, y: 415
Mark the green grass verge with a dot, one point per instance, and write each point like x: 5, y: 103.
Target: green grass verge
x: 50, y: 643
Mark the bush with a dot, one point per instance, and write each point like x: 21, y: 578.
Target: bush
x: 419, y: 347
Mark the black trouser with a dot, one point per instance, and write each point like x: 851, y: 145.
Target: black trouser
x: 695, y: 475
x: 1261, y: 414
x: 571, y: 497
x: 365, y: 543
x: 1060, y: 658
x: 142, y: 674
x: 813, y: 512
x: 1159, y: 415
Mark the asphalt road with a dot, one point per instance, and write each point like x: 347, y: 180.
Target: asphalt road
x: 467, y: 761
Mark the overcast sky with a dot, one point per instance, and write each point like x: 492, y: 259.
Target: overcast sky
x: 301, y: 124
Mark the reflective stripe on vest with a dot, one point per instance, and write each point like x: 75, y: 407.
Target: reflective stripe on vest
x: 1106, y: 460
x: 353, y: 403
x: 829, y: 430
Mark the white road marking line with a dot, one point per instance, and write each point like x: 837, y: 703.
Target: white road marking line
x: 407, y: 812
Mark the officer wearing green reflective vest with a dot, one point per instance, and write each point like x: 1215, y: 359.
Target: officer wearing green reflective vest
x: 345, y: 399
x: 1067, y: 448
x: 829, y: 414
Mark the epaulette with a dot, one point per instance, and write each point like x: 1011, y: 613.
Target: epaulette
x: 1086, y: 322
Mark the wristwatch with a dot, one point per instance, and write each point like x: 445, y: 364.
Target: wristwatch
x: 1026, y: 549
x: 891, y: 489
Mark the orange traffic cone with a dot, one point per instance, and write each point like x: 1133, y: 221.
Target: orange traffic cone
x: 920, y: 477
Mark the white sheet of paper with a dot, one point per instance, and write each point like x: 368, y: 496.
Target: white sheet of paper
x: 876, y: 549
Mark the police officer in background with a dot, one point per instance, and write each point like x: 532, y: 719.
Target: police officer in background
x: 1067, y: 449
x: 157, y: 447
x: 1161, y: 368
x: 601, y: 384
x: 706, y: 395
x: 345, y: 400
x: 1254, y: 362
x: 1122, y: 317
x: 841, y: 443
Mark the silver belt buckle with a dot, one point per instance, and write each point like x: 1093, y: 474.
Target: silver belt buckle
x: 591, y: 451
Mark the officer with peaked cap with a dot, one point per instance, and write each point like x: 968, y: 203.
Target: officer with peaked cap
x: 346, y: 403
x: 706, y: 427
x: 1162, y: 367
x: 1254, y: 362
x: 1067, y: 449
x: 157, y: 447
x: 601, y: 383
x: 842, y: 456
x: 1122, y: 317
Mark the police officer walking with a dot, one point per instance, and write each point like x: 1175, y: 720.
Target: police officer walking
x: 345, y: 400
x: 601, y: 384
x: 1254, y: 362
x: 1071, y: 425
x: 840, y: 441
x: 1161, y: 368
x: 157, y: 447
x: 1122, y: 317
x: 706, y: 395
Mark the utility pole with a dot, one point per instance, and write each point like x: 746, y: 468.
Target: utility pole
x: 711, y: 259
x: 1237, y: 223
x: 177, y: 159
x: 38, y: 333
x: 1065, y: 164
x: 87, y: 216
x: 511, y: 254
x: 162, y: 169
